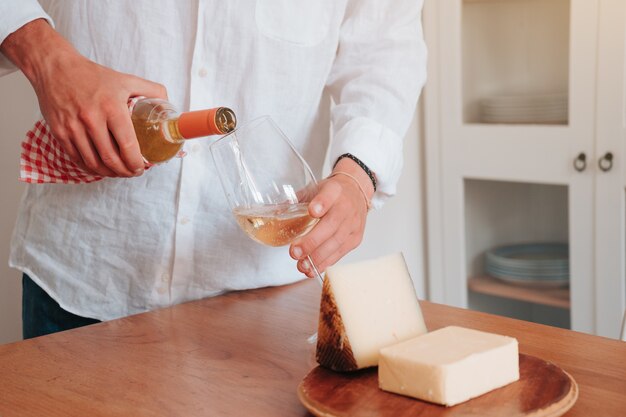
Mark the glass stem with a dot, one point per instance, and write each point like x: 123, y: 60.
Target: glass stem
x: 313, y: 338
x: 317, y: 273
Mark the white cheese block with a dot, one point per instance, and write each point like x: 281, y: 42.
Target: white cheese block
x: 449, y: 366
x: 366, y: 306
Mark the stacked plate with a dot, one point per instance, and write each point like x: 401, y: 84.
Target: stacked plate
x: 526, y: 109
x: 540, y: 264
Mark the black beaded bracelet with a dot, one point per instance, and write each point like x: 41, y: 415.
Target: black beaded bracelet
x: 360, y: 163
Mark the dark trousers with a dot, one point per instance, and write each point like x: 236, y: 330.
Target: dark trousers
x: 42, y: 315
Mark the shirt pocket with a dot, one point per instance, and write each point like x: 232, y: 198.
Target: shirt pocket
x: 299, y: 22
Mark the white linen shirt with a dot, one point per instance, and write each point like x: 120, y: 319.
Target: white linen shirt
x: 123, y: 246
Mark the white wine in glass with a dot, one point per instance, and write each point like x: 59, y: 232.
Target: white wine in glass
x: 267, y: 183
x: 275, y: 225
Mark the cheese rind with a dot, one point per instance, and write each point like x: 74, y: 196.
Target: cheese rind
x: 366, y: 306
x: 333, y: 347
x: 449, y: 366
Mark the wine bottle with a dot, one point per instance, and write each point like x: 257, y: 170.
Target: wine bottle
x: 161, y: 131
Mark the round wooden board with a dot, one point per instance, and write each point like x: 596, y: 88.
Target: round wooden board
x: 543, y: 390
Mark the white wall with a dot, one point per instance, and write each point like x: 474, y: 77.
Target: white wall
x: 398, y: 226
x: 18, y: 109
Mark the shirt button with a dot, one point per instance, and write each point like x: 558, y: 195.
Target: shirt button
x: 165, y: 277
x: 195, y: 147
x: 184, y: 220
x: 203, y: 72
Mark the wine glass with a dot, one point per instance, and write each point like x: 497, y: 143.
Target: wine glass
x: 267, y: 183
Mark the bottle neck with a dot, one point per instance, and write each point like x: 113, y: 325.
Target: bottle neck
x: 194, y: 124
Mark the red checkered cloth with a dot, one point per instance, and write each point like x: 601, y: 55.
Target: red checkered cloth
x: 43, y: 159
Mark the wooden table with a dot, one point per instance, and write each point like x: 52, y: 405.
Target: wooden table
x: 243, y: 354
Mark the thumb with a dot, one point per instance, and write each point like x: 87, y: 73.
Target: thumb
x: 142, y: 87
x: 329, y: 193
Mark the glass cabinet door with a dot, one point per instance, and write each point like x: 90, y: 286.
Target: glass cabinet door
x: 515, y: 61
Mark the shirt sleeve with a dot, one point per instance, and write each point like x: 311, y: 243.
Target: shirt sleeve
x: 375, y: 81
x: 13, y: 15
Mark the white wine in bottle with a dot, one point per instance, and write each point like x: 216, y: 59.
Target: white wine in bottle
x: 161, y: 130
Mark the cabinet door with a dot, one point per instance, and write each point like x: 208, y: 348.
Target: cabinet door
x: 485, y: 49
x: 494, y: 51
x: 610, y: 183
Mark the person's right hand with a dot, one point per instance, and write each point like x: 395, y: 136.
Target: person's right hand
x: 85, y: 104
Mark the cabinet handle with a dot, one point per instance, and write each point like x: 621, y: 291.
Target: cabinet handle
x: 580, y: 163
x: 606, y: 162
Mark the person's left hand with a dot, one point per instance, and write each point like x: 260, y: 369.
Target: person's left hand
x: 342, y: 209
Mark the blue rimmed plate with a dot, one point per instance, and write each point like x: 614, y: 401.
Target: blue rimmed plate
x: 537, y: 264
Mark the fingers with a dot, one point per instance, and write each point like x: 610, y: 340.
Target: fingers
x: 340, y: 229
x: 104, y: 144
x: 351, y: 242
x: 123, y: 132
x: 105, y: 139
x: 127, y: 159
x: 89, y: 144
x: 141, y: 87
x: 90, y: 158
x: 329, y: 193
x: 340, y: 242
x: 121, y: 127
x: 63, y: 138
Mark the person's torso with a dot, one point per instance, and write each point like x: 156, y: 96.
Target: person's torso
x: 168, y: 236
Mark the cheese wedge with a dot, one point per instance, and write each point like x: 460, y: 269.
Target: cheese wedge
x: 366, y: 306
x: 449, y: 366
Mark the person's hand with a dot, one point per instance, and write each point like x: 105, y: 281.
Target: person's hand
x: 85, y: 104
x: 342, y: 209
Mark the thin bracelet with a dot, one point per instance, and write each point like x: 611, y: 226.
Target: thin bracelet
x: 359, y: 163
x: 358, y: 184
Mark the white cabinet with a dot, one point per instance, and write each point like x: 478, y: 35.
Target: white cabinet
x: 518, y: 90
